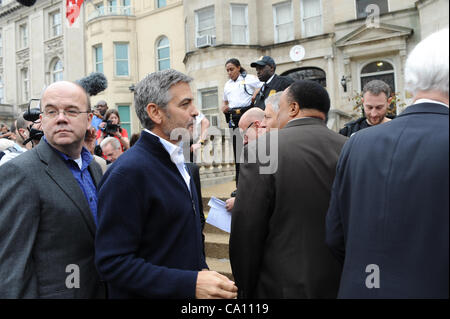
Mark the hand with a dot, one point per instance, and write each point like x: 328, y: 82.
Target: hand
x: 212, y: 285
x: 118, y: 134
x: 225, y: 108
x: 255, y: 94
x: 229, y: 204
x: 195, y: 147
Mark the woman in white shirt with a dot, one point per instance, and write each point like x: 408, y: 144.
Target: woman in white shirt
x: 238, y: 96
x: 239, y: 92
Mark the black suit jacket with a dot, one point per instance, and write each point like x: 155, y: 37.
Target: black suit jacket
x: 277, y: 242
x: 390, y: 207
x: 278, y: 83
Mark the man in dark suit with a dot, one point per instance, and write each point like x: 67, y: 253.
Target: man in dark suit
x: 277, y: 242
x: 388, y: 217
x: 48, y: 206
x: 265, y: 70
x: 149, y: 242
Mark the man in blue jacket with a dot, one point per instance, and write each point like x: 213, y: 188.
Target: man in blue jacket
x: 149, y: 242
x: 388, y: 215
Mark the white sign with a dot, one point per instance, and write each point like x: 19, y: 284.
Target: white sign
x: 297, y: 53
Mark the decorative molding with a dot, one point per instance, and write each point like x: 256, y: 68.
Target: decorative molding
x: 23, y: 58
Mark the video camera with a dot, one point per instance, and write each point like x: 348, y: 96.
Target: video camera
x: 32, y: 115
x: 111, y: 129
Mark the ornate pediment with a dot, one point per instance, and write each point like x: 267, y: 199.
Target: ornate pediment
x: 23, y: 58
x: 366, y: 34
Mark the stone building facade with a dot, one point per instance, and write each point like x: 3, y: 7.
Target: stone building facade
x: 37, y: 47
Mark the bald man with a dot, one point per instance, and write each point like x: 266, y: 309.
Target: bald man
x: 250, y: 126
x: 48, y: 206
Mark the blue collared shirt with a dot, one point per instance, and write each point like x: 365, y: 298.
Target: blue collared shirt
x: 83, y: 177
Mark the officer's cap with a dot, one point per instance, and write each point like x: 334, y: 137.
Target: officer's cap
x: 263, y: 61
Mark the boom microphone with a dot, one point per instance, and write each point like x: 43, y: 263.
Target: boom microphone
x: 94, y: 83
x: 27, y: 3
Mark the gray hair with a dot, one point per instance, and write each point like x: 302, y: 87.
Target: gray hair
x: 154, y: 88
x: 376, y: 87
x: 111, y: 140
x: 274, y: 100
x: 427, y: 65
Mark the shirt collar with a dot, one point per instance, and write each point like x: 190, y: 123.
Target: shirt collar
x: 175, y: 151
x: 429, y: 101
x: 85, y: 156
x: 271, y: 78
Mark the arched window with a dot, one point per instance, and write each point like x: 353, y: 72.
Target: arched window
x: 57, y: 71
x: 309, y: 73
x: 163, y: 52
x: 378, y: 70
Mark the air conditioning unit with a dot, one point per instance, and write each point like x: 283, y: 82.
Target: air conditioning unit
x: 205, y: 41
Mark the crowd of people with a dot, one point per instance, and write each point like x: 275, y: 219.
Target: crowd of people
x: 86, y: 212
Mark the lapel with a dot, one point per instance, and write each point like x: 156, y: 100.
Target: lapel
x: 62, y: 176
x: 151, y: 143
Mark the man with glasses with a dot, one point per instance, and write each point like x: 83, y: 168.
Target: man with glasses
x: 250, y: 126
x: 48, y: 204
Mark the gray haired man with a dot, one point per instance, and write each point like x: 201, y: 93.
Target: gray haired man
x: 111, y: 148
x: 270, y: 113
x: 150, y: 245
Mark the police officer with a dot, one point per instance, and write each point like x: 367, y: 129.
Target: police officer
x: 265, y: 70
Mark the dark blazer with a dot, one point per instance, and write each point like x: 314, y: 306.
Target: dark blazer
x: 390, y: 207
x: 194, y: 172
x: 277, y: 242
x: 149, y: 242
x: 278, y: 83
x: 45, y: 225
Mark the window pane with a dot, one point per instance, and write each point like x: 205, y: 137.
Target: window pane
x: 121, y: 51
x: 98, y: 54
x: 122, y: 68
x: 124, y: 113
x: 239, y: 34
x: 164, y: 65
x: 210, y: 99
x: 238, y: 16
x: 164, y: 53
x: 161, y: 3
x: 283, y: 13
x: 163, y: 42
x: 205, y: 19
x: 378, y: 66
x: 125, y: 118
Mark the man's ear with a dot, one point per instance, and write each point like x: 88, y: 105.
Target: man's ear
x: 154, y: 112
x: 294, y: 108
x: 389, y: 101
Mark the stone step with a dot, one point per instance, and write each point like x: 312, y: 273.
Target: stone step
x: 222, y: 266
x: 213, y: 229
x: 216, y: 245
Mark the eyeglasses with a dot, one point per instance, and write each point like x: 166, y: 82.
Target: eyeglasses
x: 251, y: 124
x: 54, y: 113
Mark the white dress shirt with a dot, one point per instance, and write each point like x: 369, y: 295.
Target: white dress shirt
x: 235, y: 94
x: 429, y: 101
x: 177, y: 157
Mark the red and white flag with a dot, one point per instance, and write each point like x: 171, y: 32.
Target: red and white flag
x: 73, y: 8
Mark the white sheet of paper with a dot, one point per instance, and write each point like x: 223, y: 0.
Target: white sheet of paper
x: 218, y: 215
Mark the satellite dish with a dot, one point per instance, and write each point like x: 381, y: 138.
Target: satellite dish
x: 297, y: 53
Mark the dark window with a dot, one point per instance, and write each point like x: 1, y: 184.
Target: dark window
x: 313, y: 74
x: 361, y: 6
x: 379, y: 70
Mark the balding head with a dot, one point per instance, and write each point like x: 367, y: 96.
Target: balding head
x: 66, y: 117
x: 250, y: 124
